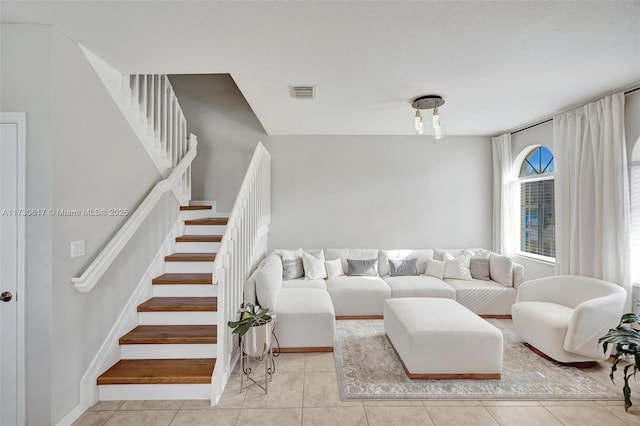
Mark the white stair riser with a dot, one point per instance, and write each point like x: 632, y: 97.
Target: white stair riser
x: 168, y: 351
x: 204, y: 229
x: 155, y: 392
x: 185, y: 290
x: 193, y: 247
x: 177, y: 318
x: 188, y: 267
x: 195, y: 214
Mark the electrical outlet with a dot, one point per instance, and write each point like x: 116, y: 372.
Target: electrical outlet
x: 77, y: 248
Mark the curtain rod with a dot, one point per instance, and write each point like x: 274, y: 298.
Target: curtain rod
x: 551, y: 119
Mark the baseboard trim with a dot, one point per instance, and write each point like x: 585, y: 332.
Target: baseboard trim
x: 307, y: 349
x: 109, y: 352
x: 359, y: 317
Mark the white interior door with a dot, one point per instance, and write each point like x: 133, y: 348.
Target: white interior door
x: 11, y: 269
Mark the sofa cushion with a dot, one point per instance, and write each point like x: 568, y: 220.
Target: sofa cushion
x: 368, y: 267
x: 403, y: 267
x: 484, y: 297
x: 501, y: 269
x: 457, y: 267
x: 269, y: 282
x: 344, y: 254
x: 358, y: 296
x: 421, y: 255
x: 313, y: 267
x: 544, y: 326
x: 306, y: 318
x: 419, y: 286
x: 302, y: 283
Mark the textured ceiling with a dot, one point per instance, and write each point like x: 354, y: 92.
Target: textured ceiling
x: 498, y: 65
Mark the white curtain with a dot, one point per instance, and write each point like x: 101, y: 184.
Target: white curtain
x: 592, y: 192
x: 503, y: 208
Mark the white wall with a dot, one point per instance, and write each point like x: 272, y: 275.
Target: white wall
x: 81, y: 154
x: 227, y: 130
x: 25, y: 83
x: 380, y: 191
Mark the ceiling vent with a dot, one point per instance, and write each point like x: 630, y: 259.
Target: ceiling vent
x: 302, y: 92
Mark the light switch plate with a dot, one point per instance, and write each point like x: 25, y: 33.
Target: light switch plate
x: 77, y: 248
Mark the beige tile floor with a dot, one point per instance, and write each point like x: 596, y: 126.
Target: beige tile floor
x: 304, y: 391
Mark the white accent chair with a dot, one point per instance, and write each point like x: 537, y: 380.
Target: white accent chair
x: 564, y: 316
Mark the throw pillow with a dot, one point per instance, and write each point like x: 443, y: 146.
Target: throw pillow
x: 401, y: 267
x: 334, y: 268
x: 501, y: 269
x: 314, y: 268
x: 435, y: 268
x: 479, y: 265
x: 292, y: 268
x: 457, y: 267
x: 362, y: 267
x: 269, y: 283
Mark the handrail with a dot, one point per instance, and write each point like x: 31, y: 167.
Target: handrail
x: 178, y: 181
x: 249, y: 219
x: 233, y: 216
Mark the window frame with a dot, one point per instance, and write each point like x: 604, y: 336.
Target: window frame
x: 517, y: 188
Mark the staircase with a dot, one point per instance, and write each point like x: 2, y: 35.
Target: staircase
x: 171, y: 354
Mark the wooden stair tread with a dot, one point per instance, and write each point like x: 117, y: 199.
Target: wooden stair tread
x: 179, y: 304
x: 171, y: 334
x: 186, y: 208
x: 207, y: 221
x: 184, y: 278
x: 190, y: 257
x: 199, y: 239
x: 159, y: 371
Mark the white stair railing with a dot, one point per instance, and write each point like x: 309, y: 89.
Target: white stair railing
x: 179, y: 181
x: 159, y: 111
x: 249, y: 219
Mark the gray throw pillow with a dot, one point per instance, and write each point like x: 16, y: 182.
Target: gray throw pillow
x: 292, y: 269
x: 362, y: 267
x: 479, y: 265
x: 401, y: 267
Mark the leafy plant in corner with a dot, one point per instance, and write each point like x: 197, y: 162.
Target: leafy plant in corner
x: 627, y: 341
x: 250, y: 316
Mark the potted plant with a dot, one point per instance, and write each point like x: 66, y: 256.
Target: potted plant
x: 254, y: 329
x: 627, y: 341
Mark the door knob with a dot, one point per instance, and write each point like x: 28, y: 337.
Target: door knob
x: 6, y: 296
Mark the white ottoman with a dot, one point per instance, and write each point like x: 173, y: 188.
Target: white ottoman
x: 439, y: 338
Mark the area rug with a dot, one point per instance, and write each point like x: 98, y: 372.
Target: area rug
x: 368, y: 368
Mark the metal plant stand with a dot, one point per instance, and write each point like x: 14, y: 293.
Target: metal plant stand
x: 256, y: 348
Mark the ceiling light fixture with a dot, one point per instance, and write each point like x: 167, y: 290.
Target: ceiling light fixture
x: 428, y: 102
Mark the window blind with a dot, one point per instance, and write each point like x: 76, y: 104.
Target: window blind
x: 537, y: 218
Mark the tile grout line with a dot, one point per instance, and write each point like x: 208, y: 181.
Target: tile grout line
x: 554, y: 416
x: 175, y: 414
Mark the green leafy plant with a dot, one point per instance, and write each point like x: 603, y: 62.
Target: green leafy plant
x: 627, y: 341
x: 251, y: 315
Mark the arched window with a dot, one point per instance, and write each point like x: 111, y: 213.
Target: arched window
x: 537, y: 210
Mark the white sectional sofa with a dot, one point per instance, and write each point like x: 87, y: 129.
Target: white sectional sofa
x: 309, y: 288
